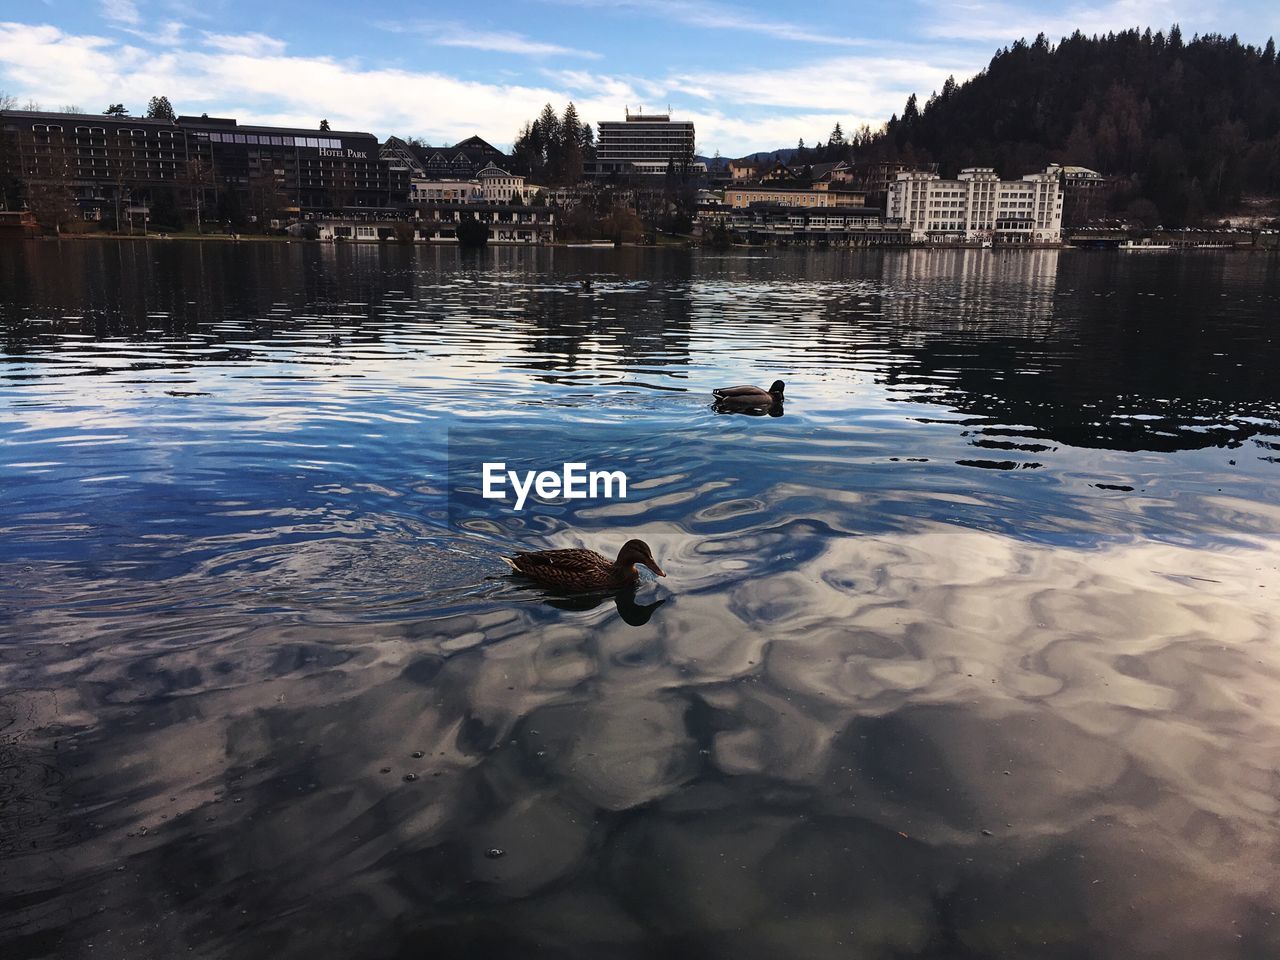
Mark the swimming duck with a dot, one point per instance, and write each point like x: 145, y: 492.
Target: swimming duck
x: 747, y: 396
x: 581, y: 569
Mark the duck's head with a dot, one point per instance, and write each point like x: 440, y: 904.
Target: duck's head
x: 637, y: 551
x: 777, y: 388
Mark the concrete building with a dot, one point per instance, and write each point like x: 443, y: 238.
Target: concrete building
x: 978, y: 206
x: 292, y: 170
x: 103, y: 162
x: 644, y: 144
x: 210, y: 164
x: 491, y: 185
x: 740, y: 196
x: 499, y: 186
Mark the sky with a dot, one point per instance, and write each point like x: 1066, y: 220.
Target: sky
x: 752, y: 75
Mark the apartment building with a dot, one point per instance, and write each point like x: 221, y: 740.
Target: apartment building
x: 979, y: 206
x: 643, y: 143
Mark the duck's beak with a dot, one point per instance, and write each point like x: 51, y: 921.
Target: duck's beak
x: 653, y: 565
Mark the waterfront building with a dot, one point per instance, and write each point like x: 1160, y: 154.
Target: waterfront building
x: 207, y: 164
x: 979, y: 206
x: 784, y: 223
x: 500, y: 186
x: 102, y: 162
x: 293, y: 170
x: 645, y: 144
x: 438, y: 223
x: 492, y: 185
x: 818, y: 195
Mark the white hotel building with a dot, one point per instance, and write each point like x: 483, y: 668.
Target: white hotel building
x: 978, y: 205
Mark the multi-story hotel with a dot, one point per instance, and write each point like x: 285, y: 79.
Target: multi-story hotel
x: 303, y: 170
x: 645, y: 144
x: 107, y: 161
x: 101, y: 160
x: 978, y: 205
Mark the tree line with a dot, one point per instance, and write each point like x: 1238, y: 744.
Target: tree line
x: 553, y: 149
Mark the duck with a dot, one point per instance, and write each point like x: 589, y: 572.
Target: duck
x: 580, y: 569
x: 748, y: 396
x: 586, y: 286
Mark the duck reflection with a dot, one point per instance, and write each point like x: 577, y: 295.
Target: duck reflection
x: 633, y: 613
x: 728, y: 406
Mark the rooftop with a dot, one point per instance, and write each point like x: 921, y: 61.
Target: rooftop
x: 99, y: 117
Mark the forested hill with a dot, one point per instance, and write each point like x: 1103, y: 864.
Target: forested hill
x: 1194, y: 125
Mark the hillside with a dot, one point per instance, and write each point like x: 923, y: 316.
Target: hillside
x: 1191, y: 127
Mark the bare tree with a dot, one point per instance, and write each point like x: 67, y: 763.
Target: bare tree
x: 51, y: 201
x: 199, y: 176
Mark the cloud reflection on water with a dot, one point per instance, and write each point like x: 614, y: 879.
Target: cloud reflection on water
x: 864, y: 656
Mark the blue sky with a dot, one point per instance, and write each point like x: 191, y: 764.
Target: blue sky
x: 752, y: 75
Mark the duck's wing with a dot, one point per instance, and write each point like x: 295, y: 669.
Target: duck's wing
x: 746, y: 390
x: 571, y: 560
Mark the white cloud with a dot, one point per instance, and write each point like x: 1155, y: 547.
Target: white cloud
x: 124, y: 15
x: 121, y: 11
x: 869, y: 86
x: 245, y: 44
x: 458, y: 35
x: 719, y: 16
x: 1002, y: 22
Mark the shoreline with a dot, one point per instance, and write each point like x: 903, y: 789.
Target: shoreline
x: 684, y: 244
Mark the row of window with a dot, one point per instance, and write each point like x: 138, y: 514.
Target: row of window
x: 46, y: 128
x: 274, y: 141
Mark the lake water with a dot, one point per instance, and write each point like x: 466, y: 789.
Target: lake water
x: 971, y: 652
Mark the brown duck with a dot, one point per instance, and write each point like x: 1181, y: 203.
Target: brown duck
x: 748, y: 396
x: 581, y: 569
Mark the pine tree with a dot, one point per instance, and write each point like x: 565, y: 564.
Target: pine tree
x: 549, y: 128
x: 571, y: 157
x: 159, y: 108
